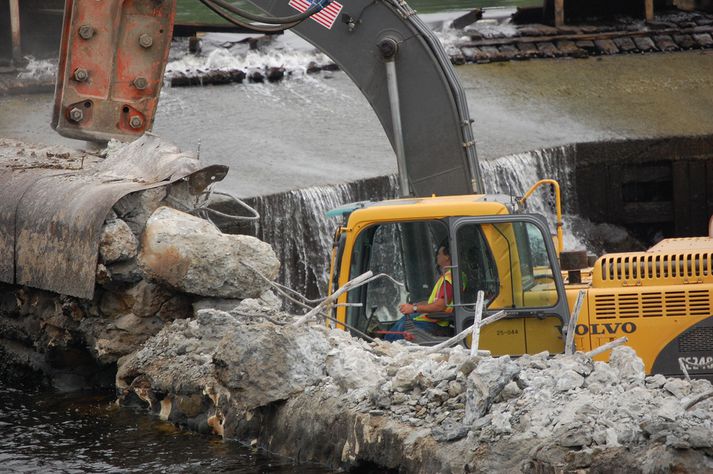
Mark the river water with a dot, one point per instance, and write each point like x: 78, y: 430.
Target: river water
x: 87, y: 433
x: 319, y: 130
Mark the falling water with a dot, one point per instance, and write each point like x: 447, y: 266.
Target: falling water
x: 296, y: 225
x: 515, y: 174
x: 298, y: 229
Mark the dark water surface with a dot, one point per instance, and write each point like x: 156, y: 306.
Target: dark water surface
x: 87, y: 433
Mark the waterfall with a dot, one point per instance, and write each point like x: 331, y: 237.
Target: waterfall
x: 296, y: 225
x: 515, y: 174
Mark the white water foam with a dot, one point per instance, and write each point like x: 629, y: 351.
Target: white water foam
x: 225, y: 52
x: 38, y: 69
x: 515, y: 174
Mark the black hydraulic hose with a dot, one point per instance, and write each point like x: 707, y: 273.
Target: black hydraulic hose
x: 248, y: 25
x: 273, y: 20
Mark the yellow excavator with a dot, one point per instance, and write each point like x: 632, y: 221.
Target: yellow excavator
x: 113, y: 56
x: 660, y: 299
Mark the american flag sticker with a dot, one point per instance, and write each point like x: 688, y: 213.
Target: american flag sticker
x: 325, y: 17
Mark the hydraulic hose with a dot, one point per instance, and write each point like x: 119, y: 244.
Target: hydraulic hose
x: 248, y: 25
x: 276, y: 20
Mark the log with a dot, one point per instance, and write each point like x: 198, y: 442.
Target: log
x: 475, y: 338
x: 572, y: 326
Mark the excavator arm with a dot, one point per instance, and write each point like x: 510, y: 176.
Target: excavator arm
x: 114, y: 52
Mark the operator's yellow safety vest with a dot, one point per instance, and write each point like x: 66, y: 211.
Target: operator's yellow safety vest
x: 446, y: 277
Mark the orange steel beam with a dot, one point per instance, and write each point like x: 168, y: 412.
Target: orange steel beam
x: 112, y: 58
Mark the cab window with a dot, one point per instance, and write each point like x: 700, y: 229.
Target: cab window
x: 476, y: 266
x: 514, y: 270
x: 405, y: 251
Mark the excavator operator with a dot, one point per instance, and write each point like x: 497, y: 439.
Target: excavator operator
x: 440, y: 301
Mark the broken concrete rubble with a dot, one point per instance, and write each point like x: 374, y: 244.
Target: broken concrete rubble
x: 75, y: 342
x: 298, y: 388
x: 117, y: 242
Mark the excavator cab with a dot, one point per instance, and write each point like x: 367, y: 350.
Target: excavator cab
x: 510, y: 258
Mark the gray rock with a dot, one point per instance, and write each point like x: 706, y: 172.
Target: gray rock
x: 573, y: 435
x: 500, y: 422
x: 449, y: 431
x: 577, y: 362
x: 136, y: 208
x: 145, y: 299
x: 192, y: 255
x: 511, y: 391
x: 485, y: 383
x: 603, y: 375
x: 270, y: 300
x: 399, y: 398
x: 352, y: 368
x: 125, y: 272
x: 455, y: 388
x: 569, y: 380
x: 103, y: 274
x: 296, y: 360
x: 628, y: 364
x: 221, y: 304
x: 700, y: 437
x: 677, y: 441
x: 679, y: 388
x: 655, y: 381
x: 109, y: 340
x: 405, y: 379
x: 117, y: 242
x: 670, y: 410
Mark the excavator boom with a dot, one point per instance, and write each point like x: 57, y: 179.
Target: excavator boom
x: 114, y: 53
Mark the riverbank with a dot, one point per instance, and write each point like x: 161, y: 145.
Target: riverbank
x: 184, y: 322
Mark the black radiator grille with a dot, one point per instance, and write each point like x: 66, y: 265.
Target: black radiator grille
x: 696, y: 340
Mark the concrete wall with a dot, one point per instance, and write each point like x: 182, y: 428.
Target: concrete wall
x: 654, y: 187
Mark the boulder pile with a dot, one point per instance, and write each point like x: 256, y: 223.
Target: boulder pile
x: 154, y: 262
x: 318, y: 394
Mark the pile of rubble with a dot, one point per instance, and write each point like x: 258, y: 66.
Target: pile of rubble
x: 154, y: 261
x: 249, y: 373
